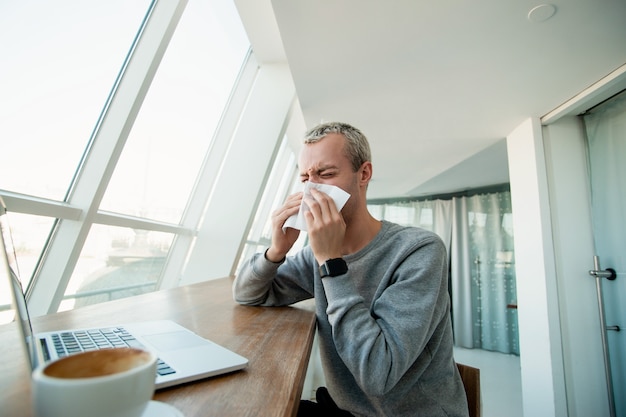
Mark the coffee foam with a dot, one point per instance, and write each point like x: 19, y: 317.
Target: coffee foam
x: 97, y: 363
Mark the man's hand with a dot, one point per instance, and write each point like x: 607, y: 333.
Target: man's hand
x: 325, y: 225
x: 283, y: 241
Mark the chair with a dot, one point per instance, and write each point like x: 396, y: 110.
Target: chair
x: 471, y: 382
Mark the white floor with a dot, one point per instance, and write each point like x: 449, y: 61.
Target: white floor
x: 500, y: 381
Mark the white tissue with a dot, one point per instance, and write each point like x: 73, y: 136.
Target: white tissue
x: 339, y: 196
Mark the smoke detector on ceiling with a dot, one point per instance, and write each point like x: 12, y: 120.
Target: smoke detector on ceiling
x: 541, y: 13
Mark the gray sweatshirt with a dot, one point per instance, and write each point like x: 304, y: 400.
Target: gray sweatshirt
x: 384, y: 327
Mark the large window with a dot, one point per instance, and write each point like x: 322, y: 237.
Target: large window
x: 282, y: 182
x: 174, y: 128
x: 58, y: 62
x: 61, y: 65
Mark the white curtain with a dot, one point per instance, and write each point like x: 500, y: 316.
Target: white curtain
x: 483, y: 273
x: 478, y: 234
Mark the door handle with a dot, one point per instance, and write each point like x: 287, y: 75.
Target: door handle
x: 608, y: 273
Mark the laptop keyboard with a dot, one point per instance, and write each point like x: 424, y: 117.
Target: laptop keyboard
x: 67, y: 343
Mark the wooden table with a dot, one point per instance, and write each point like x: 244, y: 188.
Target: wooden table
x: 276, y: 340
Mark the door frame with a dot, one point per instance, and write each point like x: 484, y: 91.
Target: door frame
x: 569, y: 187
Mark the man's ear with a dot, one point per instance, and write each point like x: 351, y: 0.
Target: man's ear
x: 365, y: 173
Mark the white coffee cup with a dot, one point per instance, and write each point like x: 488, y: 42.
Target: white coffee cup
x: 103, y: 383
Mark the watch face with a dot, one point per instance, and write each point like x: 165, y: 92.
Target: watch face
x: 333, y: 268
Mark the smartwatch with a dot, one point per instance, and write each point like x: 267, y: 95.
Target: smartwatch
x: 333, y: 268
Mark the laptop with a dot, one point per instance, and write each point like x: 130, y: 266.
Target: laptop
x: 183, y: 355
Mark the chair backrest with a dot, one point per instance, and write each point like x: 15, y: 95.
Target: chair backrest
x: 471, y: 382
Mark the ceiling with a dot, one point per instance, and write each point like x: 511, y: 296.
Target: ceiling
x: 436, y: 86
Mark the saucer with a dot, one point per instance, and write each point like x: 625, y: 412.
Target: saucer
x: 159, y: 409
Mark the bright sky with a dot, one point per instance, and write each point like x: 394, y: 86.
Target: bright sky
x: 58, y: 63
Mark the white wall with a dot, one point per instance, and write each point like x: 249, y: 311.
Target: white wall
x: 543, y: 390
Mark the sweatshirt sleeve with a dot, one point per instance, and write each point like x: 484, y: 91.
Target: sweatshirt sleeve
x: 265, y: 283
x: 379, y: 342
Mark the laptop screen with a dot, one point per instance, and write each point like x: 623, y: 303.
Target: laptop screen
x: 10, y: 272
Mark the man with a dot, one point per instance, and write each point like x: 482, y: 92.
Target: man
x: 380, y: 291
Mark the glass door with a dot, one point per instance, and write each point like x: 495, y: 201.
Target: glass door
x: 606, y: 137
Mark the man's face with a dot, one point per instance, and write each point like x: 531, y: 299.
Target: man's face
x: 325, y: 162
